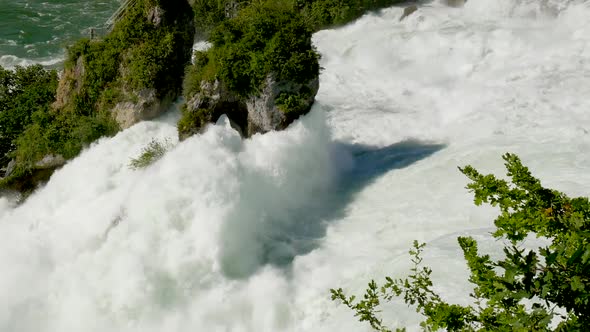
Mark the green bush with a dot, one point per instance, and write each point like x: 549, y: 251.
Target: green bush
x: 524, y: 291
x: 23, y: 92
x: 321, y: 14
x: 139, y: 53
x: 264, y: 38
x: 152, y: 56
x: 210, y: 13
x: 154, y: 151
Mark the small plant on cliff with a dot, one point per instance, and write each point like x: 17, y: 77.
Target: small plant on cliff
x: 547, y: 289
x: 153, y: 152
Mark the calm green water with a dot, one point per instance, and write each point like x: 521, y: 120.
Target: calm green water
x: 36, y: 31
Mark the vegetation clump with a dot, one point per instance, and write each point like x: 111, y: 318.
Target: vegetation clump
x: 147, y: 50
x: 267, y: 40
x: 321, y: 14
x: 26, y: 93
x: 153, y: 152
x: 263, y: 38
x: 547, y: 289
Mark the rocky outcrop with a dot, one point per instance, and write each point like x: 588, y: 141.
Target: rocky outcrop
x: 408, y: 11
x: 266, y: 113
x: 455, y: 3
x: 38, y: 174
x: 160, y: 72
x: 257, y: 113
x: 6, y: 171
x: 213, y: 100
x: 70, y: 83
x: 50, y: 161
x: 145, y: 106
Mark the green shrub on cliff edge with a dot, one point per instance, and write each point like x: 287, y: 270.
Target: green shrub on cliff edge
x: 146, y: 49
x: 23, y: 93
x: 264, y: 38
x: 524, y: 291
x: 138, y: 53
x: 321, y: 14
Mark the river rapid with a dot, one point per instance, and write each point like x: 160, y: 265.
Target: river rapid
x: 224, y: 234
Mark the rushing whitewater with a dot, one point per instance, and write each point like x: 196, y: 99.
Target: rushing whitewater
x: 230, y: 235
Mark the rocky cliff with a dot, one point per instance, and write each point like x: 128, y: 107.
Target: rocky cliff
x: 262, y: 72
x: 256, y: 113
x: 135, y: 71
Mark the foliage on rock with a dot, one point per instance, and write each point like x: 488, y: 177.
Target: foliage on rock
x: 264, y: 39
x: 321, y: 14
x: 153, y: 152
x: 24, y: 92
x: 147, y: 50
x: 547, y: 289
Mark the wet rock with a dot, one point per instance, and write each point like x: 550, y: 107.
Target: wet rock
x: 50, y: 161
x: 145, y: 107
x: 408, y: 11
x: 256, y: 113
x: 455, y: 3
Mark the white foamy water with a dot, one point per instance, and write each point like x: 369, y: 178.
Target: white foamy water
x: 12, y: 61
x: 230, y: 235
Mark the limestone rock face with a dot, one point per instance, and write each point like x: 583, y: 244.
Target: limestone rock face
x: 139, y: 101
x: 70, y: 83
x: 257, y: 113
x: 9, y: 168
x: 214, y: 100
x: 155, y: 15
x: 50, y: 161
x: 38, y: 174
x: 455, y: 3
x: 146, y: 106
x: 265, y: 115
x: 408, y: 11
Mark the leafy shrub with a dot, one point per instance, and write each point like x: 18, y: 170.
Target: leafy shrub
x: 23, y: 92
x: 321, y: 14
x: 154, y: 151
x: 139, y: 53
x: 264, y: 38
x: 210, y: 13
x: 524, y: 291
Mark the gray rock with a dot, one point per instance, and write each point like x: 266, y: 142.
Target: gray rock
x: 265, y: 115
x: 146, y: 106
x: 408, y: 11
x: 9, y: 168
x: 249, y: 115
x: 70, y: 83
x: 155, y: 15
x: 50, y: 161
x: 231, y: 9
x: 455, y: 3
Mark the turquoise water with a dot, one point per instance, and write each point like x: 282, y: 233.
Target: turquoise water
x: 37, y: 31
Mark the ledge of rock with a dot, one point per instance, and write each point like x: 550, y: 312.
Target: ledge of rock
x: 249, y: 115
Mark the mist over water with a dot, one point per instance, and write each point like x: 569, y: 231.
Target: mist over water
x: 225, y: 234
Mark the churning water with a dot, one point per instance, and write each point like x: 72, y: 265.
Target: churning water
x: 37, y: 31
x: 225, y: 234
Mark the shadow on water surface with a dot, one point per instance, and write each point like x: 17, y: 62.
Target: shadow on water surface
x: 278, y: 235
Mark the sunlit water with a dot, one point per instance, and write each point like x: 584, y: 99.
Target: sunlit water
x: 231, y: 235
x: 37, y: 31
